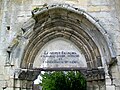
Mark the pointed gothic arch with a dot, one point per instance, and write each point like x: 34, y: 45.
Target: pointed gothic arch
x: 70, y: 23
x: 63, y: 21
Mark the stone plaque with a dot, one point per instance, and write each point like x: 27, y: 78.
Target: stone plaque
x: 60, y: 53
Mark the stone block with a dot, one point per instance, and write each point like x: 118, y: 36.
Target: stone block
x: 21, y: 19
x: 10, y: 83
x: 21, y: 11
x: 97, y: 2
x: 117, y: 51
x: 17, y: 83
x: 116, y: 82
x: 118, y: 59
x: 1, y: 77
x: 24, y: 13
x: 70, y: 2
x: 116, y: 45
x: 98, y: 8
x: 114, y: 69
x: 21, y: 14
x: 118, y: 37
x: 117, y: 88
x: 102, y: 87
x: 114, y: 36
x: 108, y: 80
x: 1, y: 69
x: 116, y: 74
x: 1, y: 85
x: 39, y: 2
x: 11, y: 88
x: 83, y: 2
x: 119, y: 66
x: 101, y: 15
x: 111, y: 87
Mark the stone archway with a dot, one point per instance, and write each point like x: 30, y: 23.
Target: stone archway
x: 61, y: 21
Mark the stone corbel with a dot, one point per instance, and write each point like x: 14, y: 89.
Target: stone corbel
x: 112, y: 62
x: 26, y: 74
x: 28, y: 25
x: 95, y: 74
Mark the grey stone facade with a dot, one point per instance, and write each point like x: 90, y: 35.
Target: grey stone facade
x: 26, y: 26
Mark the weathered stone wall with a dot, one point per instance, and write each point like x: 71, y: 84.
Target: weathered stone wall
x: 14, y: 13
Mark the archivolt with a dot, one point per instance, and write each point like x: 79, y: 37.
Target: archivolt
x: 70, y: 23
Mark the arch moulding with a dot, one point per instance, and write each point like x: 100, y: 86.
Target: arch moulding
x: 68, y: 22
x: 62, y: 21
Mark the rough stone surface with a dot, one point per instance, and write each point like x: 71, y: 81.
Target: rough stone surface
x: 15, y: 13
x: 110, y: 87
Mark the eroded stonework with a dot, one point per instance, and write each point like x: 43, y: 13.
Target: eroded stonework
x: 26, y: 26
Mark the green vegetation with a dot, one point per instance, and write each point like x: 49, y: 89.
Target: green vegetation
x: 61, y: 80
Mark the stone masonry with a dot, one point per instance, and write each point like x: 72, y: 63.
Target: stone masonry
x: 20, y: 16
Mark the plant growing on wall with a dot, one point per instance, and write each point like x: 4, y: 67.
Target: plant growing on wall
x: 61, y: 80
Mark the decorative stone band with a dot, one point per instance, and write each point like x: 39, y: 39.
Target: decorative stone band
x: 68, y: 22
x: 94, y: 74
